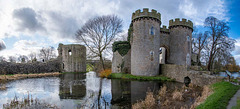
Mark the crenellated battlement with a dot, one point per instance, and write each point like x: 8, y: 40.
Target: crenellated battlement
x: 146, y: 14
x: 164, y: 29
x: 177, y: 22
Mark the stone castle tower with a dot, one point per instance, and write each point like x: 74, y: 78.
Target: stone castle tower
x: 176, y: 42
x: 73, y: 57
x: 151, y: 45
x: 145, y: 42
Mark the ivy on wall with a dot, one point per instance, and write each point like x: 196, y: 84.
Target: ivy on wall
x: 121, y: 46
x: 130, y: 32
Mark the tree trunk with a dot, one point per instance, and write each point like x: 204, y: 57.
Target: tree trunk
x: 210, y: 60
x: 101, y: 59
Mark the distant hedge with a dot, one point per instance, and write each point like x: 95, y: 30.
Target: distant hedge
x: 25, y: 68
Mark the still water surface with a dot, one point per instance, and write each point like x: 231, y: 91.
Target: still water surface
x: 70, y: 91
x: 234, y: 74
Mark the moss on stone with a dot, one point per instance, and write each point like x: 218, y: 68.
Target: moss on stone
x: 130, y: 32
x: 122, y: 47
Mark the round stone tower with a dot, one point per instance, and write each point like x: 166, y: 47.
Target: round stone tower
x: 180, y: 40
x: 145, y: 42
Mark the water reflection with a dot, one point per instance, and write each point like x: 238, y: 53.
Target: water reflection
x: 72, y: 86
x: 80, y: 91
x: 125, y: 93
x: 234, y: 74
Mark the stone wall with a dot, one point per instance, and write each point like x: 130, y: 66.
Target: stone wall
x: 121, y: 63
x: 25, y: 68
x: 178, y: 72
x: 73, y: 57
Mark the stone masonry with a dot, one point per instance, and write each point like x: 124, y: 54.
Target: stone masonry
x: 146, y: 42
x: 149, y: 42
x: 178, y: 72
x: 169, y: 48
x: 121, y: 63
x: 73, y: 57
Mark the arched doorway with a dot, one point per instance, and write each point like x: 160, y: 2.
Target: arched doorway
x: 162, y: 55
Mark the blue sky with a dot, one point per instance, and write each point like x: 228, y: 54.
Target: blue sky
x: 29, y: 25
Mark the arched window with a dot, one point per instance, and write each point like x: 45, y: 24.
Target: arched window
x: 188, y: 60
x: 151, y: 55
x: 152, y: 31
x: 70, y: 52
x: 188, y: 38
x: 160, y: 50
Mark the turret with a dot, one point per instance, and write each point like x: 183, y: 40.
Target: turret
x: 146, y: 14
x: 180, y: 40
x: 145, y: 42
x: 184, y: 23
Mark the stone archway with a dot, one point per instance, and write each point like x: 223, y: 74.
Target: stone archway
x: 163, y: 54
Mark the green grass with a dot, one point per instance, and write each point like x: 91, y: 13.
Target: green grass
x: 90, y: 67
x: 143, y: 78
x: 238, y: 104
x: 223, y: 92
x: 72, y: 72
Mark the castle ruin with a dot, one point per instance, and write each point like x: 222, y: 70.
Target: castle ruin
x: 152, y: 45
x: 73, y: 57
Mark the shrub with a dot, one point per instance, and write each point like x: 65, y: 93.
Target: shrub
x: 148, y: 103
x: 177, y: 95
x: 105, y: 73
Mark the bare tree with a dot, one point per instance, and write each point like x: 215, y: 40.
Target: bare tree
x: 218, y: 42
x: 12, y: 59
x: 32, y: 56
x: 98, y: 33
x: 199, y: 42
x: 23, y: 58
x: 47, y: 53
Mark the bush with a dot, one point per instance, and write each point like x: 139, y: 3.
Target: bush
x: 105, y: 73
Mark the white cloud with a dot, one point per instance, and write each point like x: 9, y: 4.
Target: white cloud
x: 57, y: 21
x: 236, y: 52
x: 22, y: 47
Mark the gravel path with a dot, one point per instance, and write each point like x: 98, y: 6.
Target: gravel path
x: 233, y: 101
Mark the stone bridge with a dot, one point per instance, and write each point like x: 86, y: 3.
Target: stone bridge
x: 178, y: 72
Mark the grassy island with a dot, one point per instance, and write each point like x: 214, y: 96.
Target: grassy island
x: 142, y: 78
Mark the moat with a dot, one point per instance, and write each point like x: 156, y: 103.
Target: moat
x: 81, y: 90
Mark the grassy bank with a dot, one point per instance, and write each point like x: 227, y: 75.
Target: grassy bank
x: 22, y: 76
x: 222, y: 93
x: 73, y: 72
x: 133, y: 77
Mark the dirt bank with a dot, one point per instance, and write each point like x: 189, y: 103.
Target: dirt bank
x: 22, y: 76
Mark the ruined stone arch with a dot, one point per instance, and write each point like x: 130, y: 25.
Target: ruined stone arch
x: 70, y: 52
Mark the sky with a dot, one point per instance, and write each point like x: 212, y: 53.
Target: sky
x: 29, y: 25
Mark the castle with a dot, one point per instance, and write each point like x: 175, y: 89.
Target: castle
x: 149, y: 46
